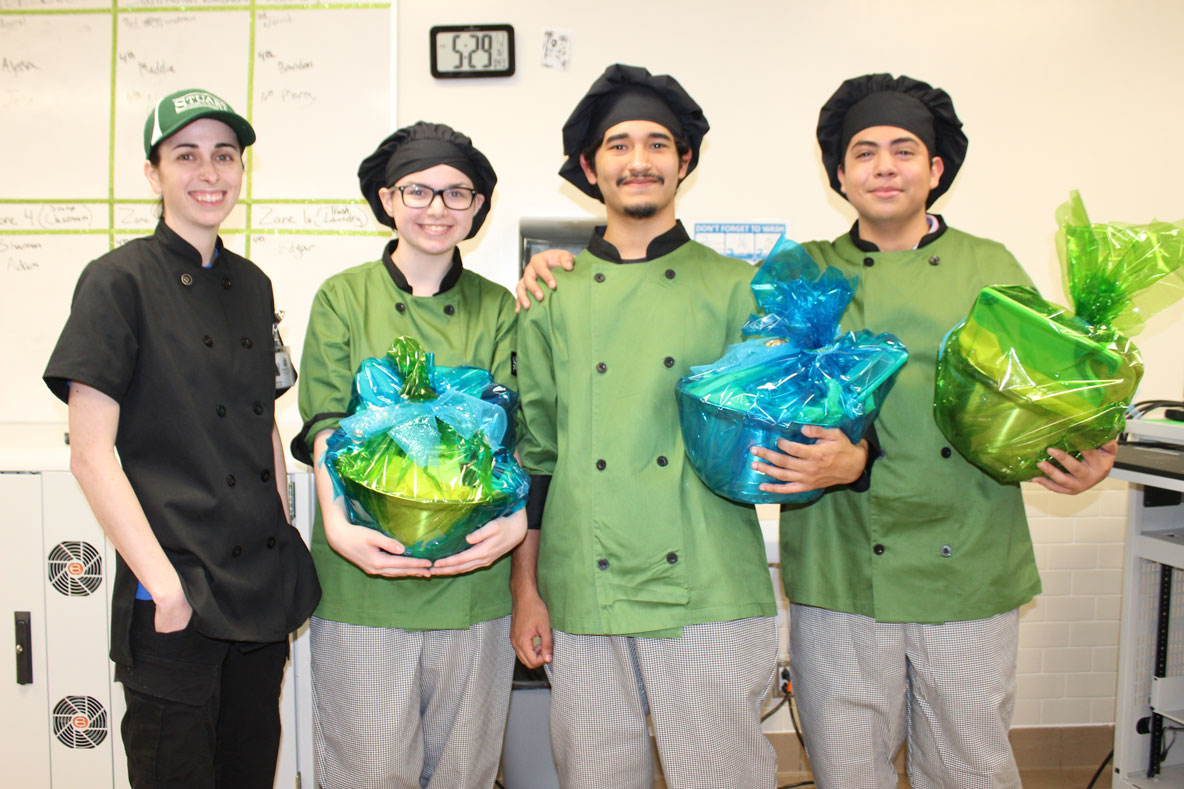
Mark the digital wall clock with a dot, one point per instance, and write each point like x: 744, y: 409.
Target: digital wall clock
x: 462, y: 51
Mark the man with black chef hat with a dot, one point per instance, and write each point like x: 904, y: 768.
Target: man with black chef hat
x: 905, y: 598
x: 657, y: 589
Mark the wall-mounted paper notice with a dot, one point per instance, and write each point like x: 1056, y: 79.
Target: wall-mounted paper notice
x: 556, y: 49
x: 749, y: 241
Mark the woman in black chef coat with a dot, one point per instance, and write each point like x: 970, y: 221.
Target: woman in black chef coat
x: 167, y: 358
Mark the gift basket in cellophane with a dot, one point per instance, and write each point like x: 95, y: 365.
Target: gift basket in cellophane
x: 1021, y: 374
x: 425, y: 454
x: 794, y: 369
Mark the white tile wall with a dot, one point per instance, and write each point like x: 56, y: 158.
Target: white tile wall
x: 1068, y: 654
x: 1073, y: 624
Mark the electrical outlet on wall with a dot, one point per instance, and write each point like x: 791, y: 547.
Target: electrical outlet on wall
x: 783, y: 682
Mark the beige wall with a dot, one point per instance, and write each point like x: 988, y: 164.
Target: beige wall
x: 1054, y: 96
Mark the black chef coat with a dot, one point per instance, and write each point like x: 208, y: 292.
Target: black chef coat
x: 187, y: 353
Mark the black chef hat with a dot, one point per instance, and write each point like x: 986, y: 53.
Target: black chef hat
x: 884, y: 100
x: 629, y: 93
x: 419, y: 147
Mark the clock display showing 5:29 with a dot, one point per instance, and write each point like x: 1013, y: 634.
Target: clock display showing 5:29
x: 472, y: 51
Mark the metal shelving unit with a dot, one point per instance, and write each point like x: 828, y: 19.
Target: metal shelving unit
x: 1150, y: 698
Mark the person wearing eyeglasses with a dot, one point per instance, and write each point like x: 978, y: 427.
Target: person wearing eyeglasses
x: 411, y: 661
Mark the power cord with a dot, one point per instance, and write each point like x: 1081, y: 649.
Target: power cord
x: 785, y: 685
x: 1101, y: 767
x: 1173, y: 409
x: 784, y: 700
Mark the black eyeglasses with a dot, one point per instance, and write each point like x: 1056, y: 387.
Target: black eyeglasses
x: 458, y: 198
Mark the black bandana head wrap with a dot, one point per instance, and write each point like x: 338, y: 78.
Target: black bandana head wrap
x: 419, y: 147
x: 629, y: 93
x: 884, y: 100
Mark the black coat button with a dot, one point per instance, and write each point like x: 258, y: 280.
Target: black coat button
x: 599, y: 277
x: 257, y: 408
x: 602, y: 564
x: 186, y: 279
x: 933, y: 261
x: 672, y: 558
x: 271, y: 542
x: 400, y: 306
x: 449, y: 309
x: 878, y: 549
x: 662, y: 461
x: 265, y: 475
x: 236, y: 551
x: 226, y: 283
x: 668, y: 361
x: 601, y: 465
x: 221, y: 410
x: 208, y: 340
x: 669, y: 273
x: 946, y: 452
x: 947, y: 551
x: 246, y: 342
x: 230, y: 480
x: 601, y: 367
x: 869, y: 262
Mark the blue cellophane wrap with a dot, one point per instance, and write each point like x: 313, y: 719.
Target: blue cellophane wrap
x: 796, y: 370
x: 426, y: 453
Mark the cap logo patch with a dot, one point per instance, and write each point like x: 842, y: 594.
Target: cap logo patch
x: 191, y: 101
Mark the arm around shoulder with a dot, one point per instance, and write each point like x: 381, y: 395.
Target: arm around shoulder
x: 539, y: 268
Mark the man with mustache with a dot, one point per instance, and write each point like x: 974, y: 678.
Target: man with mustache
x: 657, y: 589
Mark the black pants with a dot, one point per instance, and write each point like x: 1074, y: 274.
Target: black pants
x: 200, y: 712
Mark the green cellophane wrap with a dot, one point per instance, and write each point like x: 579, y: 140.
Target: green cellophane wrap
x: 1021, y: 374
x: 425, y: 455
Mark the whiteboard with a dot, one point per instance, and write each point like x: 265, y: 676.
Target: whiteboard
x: 77, y: 80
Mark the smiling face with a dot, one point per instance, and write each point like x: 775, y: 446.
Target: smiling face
x: 198, y: 173
x: 887, y: 174
x: 638, y: 168
x: 436, y: 229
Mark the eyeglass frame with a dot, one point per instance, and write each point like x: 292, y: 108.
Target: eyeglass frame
x: 437, y: 193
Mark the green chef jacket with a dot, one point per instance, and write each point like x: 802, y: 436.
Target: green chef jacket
x: 934, y: 539
x: 632, y: 542
x: 354, y: 316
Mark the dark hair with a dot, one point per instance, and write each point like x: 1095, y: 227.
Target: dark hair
x: 588, y: 153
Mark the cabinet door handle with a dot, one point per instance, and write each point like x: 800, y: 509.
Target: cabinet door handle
x: 24, y: 648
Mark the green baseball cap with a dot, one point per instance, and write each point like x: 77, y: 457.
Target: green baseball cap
x: 177, y: 110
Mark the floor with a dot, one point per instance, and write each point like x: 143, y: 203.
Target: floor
x: 1059, y: 778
